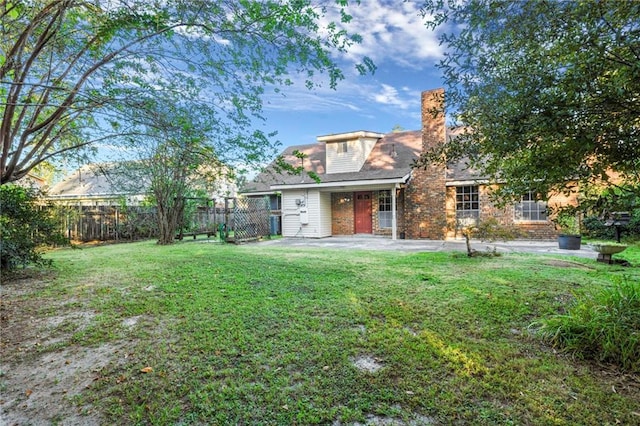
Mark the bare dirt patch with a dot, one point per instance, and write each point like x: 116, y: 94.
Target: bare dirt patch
x: 41, y: 371
x: 368, y: 364
x: 566, y: 264
x: 41, y: 390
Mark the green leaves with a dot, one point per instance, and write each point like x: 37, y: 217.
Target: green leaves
x: 549, y: 88
x: 96, y: 63
x: 25, y: 227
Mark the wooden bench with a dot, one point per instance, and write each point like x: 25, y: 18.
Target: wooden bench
x: 195, y: 234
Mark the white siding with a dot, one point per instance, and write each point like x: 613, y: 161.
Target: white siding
x: 291, y: 213
x: 358, y: 151
x: 318, y: 206
x: 325, y: 214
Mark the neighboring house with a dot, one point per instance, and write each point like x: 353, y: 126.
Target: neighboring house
x: 110, y: 184
x: 98, y: 185
x: 367, y: 185
x: 32, y: 181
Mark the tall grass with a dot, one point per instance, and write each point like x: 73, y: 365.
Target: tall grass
x: 603, y: 325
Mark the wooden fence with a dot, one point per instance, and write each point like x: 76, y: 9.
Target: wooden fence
x: 247, y: 218
x: 107, y: 223
x: 115, y: 223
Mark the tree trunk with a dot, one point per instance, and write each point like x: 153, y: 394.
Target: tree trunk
x: 169, y: 218
x: 467, y: 237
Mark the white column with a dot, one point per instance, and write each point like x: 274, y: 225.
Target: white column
x: 394, y: 218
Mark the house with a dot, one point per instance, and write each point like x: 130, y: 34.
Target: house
x: 363, y: 182
x: 32, y: 181
x: 97, y: 185
x: 111, y: 184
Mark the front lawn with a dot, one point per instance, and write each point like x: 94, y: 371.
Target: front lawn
x: 205, y: 333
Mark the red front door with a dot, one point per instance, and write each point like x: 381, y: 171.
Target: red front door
x: 362, y: 208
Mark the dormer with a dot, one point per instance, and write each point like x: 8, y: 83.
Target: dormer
x: 347, y: 152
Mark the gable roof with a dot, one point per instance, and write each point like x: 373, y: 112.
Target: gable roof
x: 390, y: 159
x: 129, y: 178
x: 99, y: 180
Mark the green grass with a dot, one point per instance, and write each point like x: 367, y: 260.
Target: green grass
x: 256, y: 335
x: 602, y: 325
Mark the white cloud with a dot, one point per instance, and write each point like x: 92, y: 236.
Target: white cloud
x: 402, y: 47
x: 388, y: 95
x: 320, y: 99
x: 391, y: 31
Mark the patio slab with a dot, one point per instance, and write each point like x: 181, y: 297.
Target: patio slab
x: 367, y: 242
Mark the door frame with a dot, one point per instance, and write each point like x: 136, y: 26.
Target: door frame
x: 366, y: 214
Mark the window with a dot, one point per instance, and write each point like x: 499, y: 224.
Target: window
x: 342, y: 147
x: 467, y: 205
x: 531, y: 208
x: 385, y: 214
x: 275, y: 202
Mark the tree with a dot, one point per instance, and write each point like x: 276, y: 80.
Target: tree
x: 175, y: 160
x: 71, y: 71
x: 548, y: 91
x: 25, y: 226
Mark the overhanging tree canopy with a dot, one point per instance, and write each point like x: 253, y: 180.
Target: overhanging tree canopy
x: 549, y: 90
x: 71, y: 71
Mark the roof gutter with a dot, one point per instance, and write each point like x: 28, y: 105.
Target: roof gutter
x: 257, y: 192
x: 341, y: 184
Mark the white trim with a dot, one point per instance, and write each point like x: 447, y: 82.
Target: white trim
x: 340, y: 184
x: 467, y: 182
x: 248, y: 194
x: 339, y: 137
x: 394, y: 216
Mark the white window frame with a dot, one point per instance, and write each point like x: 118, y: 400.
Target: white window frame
x: 385, y: 209
x: 467, y: 205
x: 530, y: 209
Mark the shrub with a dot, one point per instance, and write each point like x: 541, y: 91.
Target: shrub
x: 604, y: 326
x: 25, y: 227
x: 633, y: 229
x: 594, y: 227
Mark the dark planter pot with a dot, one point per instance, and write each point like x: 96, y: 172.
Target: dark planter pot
x: 569, y: 242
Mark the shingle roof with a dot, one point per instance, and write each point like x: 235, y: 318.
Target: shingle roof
x: 99, y: 180
x: 461, y: 171
x: 391, y: 158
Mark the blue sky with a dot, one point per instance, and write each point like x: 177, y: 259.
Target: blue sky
x: 405, y: 52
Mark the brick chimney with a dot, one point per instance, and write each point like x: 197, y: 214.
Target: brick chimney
x: 425, y: 195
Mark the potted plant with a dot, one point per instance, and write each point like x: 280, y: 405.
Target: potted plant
x: 568, y: 224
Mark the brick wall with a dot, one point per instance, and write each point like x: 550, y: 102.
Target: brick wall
x: 400, y: 213
x: 425, y: 195
x: 342, y: 215
x: 530, y: 230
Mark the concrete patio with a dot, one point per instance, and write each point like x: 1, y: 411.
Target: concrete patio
x: 367, y: 242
